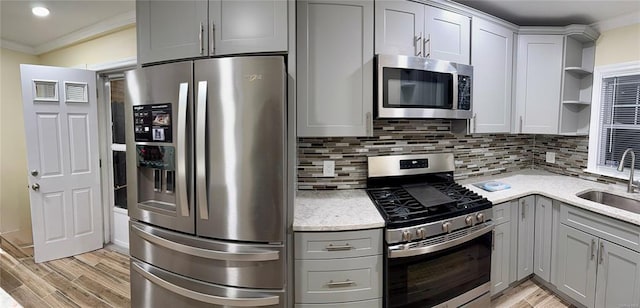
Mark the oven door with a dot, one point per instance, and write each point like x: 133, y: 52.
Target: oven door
x: 451, y: 270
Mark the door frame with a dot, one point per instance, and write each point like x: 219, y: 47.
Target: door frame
x: 103, y: 71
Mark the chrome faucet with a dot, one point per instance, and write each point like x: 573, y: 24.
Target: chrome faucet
x: 631, y: 186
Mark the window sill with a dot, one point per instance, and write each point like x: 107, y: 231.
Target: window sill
x: 613, y: 173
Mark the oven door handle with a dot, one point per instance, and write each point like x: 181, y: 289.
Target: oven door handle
x: 401, y: 253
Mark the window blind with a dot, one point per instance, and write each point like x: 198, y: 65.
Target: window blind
x: 619, y: 120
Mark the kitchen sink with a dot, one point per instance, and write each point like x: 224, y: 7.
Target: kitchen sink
x: 613, y: 200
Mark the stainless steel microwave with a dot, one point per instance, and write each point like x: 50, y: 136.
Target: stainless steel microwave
x: 416, y: 87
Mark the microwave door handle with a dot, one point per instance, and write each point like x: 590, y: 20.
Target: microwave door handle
x: 455, y: 91
x: 201, y: 171
x: 181, y: 159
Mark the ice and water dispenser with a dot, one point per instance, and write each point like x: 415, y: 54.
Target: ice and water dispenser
x: 155, y: 156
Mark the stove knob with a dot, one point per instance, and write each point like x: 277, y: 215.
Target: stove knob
x: 406, y: 236
x: 480, y: 217
x: 469, y: 221
x: 446, y: 227
x: 420, y: 233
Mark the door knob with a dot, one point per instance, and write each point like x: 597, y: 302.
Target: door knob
x: 35, y: 186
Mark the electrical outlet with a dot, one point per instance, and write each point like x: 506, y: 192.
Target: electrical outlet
x: 551, y: 157
x: 329, y: 168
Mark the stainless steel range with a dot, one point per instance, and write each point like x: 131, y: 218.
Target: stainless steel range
x: 438, y: 233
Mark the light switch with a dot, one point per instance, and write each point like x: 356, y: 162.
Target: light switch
x: 551, y: 157
x: 328, y: 168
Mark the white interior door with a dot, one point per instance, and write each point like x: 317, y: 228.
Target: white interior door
x: 61, y: 124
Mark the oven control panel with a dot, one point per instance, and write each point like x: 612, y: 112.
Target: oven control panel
x: 414, y: 163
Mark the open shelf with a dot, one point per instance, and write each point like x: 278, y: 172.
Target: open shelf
x: 580, y: 71
x: 571, y: 102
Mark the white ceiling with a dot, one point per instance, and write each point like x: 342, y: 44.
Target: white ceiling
x: 74, y: 20
x: 20, y: 28
x: 556, y: 13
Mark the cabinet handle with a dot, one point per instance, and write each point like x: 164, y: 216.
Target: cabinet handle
x: 493, y: 239
x: 200, y: 38
x: 369, y: 123
x: 418, y: 45
x: 428, y: 40
x: 520, y: 124
x: 346, y: 246
x: 524, y: 205
x: 475, y: 125
x: 593, y: 246
x: 601, y: 253
x: 340, y: 284
x: 213, y: 38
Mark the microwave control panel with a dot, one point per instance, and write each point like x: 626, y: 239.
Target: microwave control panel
x: 464, y: 92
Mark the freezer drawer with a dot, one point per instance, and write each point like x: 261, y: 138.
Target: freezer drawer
x: 158, y: 288
x: 258, y: 266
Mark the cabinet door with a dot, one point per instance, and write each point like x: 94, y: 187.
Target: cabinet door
x: 577, y: 264
x: 448, y: 35
x: 492, y: 60
x: 618, y: 283
x: 542, y: 247
x: 500, y: 257
x: 399, y: 28
x: 169, y: 30
x: 248, y: 26
x: 526, y: 218
x: 538, y: 74
x: 335, y: 68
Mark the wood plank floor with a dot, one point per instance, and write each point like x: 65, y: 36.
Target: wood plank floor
x: 101, y: 279
x: 96, y: 279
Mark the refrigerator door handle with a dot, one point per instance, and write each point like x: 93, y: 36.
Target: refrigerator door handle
x: 201, y: 171
x: 203, y: 297
x: 181, y: 158
x: 247, y: 256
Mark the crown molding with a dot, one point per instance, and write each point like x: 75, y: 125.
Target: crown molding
x: 617, y: 22
x: 17, y: 47
x: 103, y: 27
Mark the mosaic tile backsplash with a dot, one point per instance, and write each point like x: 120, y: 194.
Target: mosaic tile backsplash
x: 571, y: 157
x: 475, y: 155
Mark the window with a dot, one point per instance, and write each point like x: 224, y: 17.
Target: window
x: 615, y: 119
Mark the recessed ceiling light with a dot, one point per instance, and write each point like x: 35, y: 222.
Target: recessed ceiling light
x: 40, y: 11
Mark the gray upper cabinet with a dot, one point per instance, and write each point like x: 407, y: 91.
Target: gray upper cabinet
x: 399, y: 28
x: 448, y: 35
x: 538, y: 81
x: 543, y: 236
x: 492, y: 59
x: 169, y: 30
x: 618, y: 283
x: 526, y: 220
x: 247, y: 26
x: 335, y: 68
x: 180, y: 29
x: 413, y: 29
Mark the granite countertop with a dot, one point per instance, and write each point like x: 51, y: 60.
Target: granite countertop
x: 342, y: 210
x: 558, y: 187
x: 335, y: 210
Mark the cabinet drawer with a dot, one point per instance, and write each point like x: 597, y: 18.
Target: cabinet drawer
x: 502, y: 212
x: 610, y: 229
x: 374, y: 303
x: 337, y: 281
x: 332, y: 245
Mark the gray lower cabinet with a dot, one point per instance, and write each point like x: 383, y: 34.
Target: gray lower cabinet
x: 526, y: 227
x: 593, y: 267
x: 542, y: 239
x: 338, y: 269
x: 500, y: 257
x: 335, y: 68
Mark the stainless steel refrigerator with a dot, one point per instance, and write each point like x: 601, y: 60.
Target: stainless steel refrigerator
x: 206, y: 156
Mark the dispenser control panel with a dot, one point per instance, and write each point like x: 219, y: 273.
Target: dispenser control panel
x: 152, y: 123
